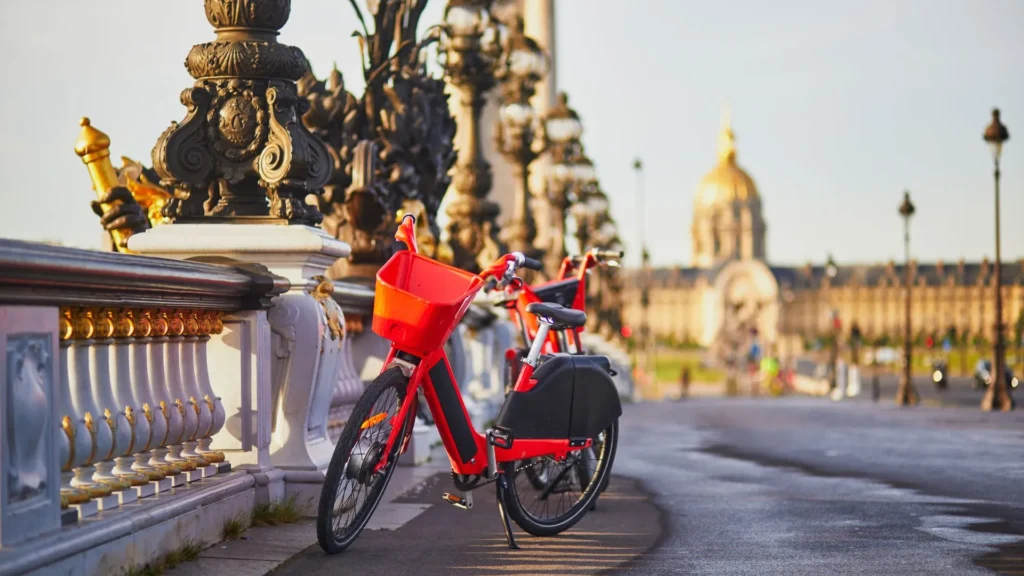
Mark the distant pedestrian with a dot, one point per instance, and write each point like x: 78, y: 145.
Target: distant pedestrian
x: 684, y: 382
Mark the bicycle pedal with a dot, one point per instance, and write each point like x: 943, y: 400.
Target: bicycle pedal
x: 458, y: 501
x: 501, y: 437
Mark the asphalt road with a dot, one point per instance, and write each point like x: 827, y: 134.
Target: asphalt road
x: 959, y: 393
x: 787, y: 485
x: 808, y: 486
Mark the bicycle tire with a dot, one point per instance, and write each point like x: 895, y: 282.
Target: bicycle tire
x: 522, y: 514
x: 327, y: 535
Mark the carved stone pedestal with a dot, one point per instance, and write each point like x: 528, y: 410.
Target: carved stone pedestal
x: 304, y: 330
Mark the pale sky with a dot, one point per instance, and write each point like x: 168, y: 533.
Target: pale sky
x: 837, y: 108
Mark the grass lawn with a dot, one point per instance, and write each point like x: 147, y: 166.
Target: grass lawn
x: 668, y: 366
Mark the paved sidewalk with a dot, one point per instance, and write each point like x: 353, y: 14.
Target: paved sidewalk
x: 263, y: 548
x: 445, y: 540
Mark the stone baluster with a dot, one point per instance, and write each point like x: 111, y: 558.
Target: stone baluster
x: 149, y: 408
x: 162, y: 404
x: 176, y: 398
x: 125, y: 330
x: 114, y: 413
x: 85, y: 407
x: 76, y: 439
x: 209, y: 323
x: 191, y: 397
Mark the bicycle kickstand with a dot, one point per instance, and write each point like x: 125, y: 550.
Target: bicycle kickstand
x: 502, y: 484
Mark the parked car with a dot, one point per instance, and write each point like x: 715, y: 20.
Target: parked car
x: 983, y: 376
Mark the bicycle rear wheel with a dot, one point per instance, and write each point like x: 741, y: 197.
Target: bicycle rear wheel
x: 572, y: 486
x: 351, y: 488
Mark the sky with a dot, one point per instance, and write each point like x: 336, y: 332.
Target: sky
x: 838, y: 107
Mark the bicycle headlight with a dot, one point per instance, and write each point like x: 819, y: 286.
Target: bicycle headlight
x: 1014, y: 382
x: 937, y: 376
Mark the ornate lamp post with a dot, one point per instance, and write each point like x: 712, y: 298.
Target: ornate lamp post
x: 524, y: 65
x: 832, y: 270
x: 588, y: 211
x: 906, y: 394
x: 471, y: 50
x: 562, y: 128
x: 645, y: 258
x: 997, y: 396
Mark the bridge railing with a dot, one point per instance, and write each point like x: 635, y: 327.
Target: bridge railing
x: 110, y: 393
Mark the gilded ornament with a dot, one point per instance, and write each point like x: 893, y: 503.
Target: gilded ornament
x: 147, y: 411
x: 175, y: 322
x: 84, y: 328
x: 143, y: 327
x: 192, y: 323
x: 267, y: 14
x: 67, y: 326
x: 112, y: 422
x: 124, y: 325
x: 150, y: 195
x: 69, y: 430
x: 323, y: 293
x: 158, y: 321
x: 205, y: 323
x: 70, y: 496
x: 104, y: 321
x: 129, y: 414
x: 90, y: 425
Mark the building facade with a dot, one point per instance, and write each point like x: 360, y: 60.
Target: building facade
x: 732, y: 295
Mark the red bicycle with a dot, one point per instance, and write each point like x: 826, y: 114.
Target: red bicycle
x: 569, y: 289
x: 557, y: 409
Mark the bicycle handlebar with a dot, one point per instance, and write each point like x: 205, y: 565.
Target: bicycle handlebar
x: 531, y: 264
x: 602, y: 256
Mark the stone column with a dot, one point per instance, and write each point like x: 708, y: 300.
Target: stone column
x: 539, y: 24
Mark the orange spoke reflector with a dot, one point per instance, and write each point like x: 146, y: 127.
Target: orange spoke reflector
x: 374, y: 420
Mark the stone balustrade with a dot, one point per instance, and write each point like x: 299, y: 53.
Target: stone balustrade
x: 108, y: 390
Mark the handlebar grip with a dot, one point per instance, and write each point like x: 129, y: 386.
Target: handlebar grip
x: 609, y: 254
x: 531, y: 264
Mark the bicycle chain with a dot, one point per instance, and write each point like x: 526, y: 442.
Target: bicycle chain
x: 465, y: 487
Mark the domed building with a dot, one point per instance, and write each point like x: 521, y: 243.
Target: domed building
x: 727, y: 220
x: 730, y: 297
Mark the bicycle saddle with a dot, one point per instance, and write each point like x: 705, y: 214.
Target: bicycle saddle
x: 557, y: 314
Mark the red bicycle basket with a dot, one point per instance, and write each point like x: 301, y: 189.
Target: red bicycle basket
x: 419, y: 301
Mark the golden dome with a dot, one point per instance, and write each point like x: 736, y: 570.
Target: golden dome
x: 726, y: 182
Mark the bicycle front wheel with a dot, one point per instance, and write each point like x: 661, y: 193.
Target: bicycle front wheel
x: 352, y: 489
x: 569, y: 490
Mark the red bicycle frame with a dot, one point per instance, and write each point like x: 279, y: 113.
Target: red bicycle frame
x: 529, y: 324
x: 432, y: 373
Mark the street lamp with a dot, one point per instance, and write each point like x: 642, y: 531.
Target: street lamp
x: 570, y: 170
x: 906, y: 395
x: 832, y: 270
x: 997, y: 396
x: 471, y: 46
x: 525, y: 63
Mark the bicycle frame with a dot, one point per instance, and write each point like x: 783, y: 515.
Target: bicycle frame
x: 528, y: 324
x: 467, y: 448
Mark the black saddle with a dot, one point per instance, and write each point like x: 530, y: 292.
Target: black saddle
x: 557, y: 315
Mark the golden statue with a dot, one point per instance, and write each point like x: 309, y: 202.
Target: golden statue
x: 129, y: 200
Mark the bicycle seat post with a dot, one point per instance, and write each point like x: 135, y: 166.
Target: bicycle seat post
x: 538, y: 341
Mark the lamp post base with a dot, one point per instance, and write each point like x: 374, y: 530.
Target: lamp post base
x: 997, y: 399
x: 906, y: 394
